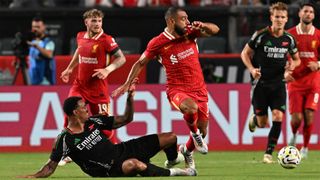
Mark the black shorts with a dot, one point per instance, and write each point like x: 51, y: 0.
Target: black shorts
x: 143, y: 149
x: 271, y: 95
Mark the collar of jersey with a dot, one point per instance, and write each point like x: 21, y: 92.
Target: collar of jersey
x: 95, y: 37
x: 299, y: 30
x: 168, y: 35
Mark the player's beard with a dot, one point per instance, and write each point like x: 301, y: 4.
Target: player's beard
x: 306, y: 22
x: 180, y: 31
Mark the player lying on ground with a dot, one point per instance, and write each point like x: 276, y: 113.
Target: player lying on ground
x: 90, y: 149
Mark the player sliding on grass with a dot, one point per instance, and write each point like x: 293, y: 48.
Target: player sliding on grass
x: 177, y: 50
x: 84, y: 141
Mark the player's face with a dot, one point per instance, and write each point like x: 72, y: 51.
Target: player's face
x: 82, y: 111
x: 279, y: 19
x: 306, y: 14
x: 181, y: 22
x: 38, y: 28
x: 94, y: 24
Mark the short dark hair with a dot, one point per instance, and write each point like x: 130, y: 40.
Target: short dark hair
x: 37, y: 19
x: 307, y: 4
x: 172, y: 12
x: 70, y: 104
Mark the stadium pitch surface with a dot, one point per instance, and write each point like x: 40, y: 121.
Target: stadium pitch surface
x: 213, y: 166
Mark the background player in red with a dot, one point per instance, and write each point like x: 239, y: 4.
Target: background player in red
x: 176, y: 50
x: 304, y: 91
x: 93, y: 55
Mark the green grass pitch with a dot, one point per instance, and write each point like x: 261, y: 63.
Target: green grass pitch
x: 213, y: 166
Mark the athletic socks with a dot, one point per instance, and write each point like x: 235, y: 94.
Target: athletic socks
x: 294, y: 126
x: 190, y: 145
x: 255, y: 120
x: 171, y: 152
x: 273, y: 136
x: 191, y: 120
x: 307, y: 134
x: 153, y: 170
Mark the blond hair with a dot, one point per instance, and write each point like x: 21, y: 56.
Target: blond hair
x: 93, y: 13
x: 280, y: 6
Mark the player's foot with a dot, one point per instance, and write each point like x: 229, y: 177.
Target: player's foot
x: 267, y: 159
x: 170, y: 164
x: 65, y: 161
x: 252, y: 124
x: 191, y: 172
x: 188, y: 158
x: 183, y: 172
x: 304, y: 152
x: 292, y: 141
x: 199, y: 143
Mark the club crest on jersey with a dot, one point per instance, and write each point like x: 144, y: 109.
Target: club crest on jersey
x: 285, y: 43
x: 94, y: 48
x: 173, y: 59
x: 313, y: 44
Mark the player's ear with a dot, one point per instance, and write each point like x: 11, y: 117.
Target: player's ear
x: 75, y: 112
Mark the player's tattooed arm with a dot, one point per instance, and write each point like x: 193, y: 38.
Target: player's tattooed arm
x: 45, y: 171
x: 118, y: 61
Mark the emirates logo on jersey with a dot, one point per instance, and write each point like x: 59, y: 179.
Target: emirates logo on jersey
x: 173, y: 59
x: 94, y: 48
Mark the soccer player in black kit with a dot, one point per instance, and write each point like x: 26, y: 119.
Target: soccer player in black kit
x: 90, y: 149
x: 265, y: 56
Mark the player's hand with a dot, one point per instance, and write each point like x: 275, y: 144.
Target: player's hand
x: 132, y: 87
x: 120, y: 90
x: 65, y: 75
x: 26, y: 176
x: 314, y: 66
x: 101, y: 73
x: 288, y: 76
x: 197, y: 25
x: 256, y: 73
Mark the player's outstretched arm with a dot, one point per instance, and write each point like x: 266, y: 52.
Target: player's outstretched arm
x: 45, y: 171
x: 127, y: 117
x: 134, y: 72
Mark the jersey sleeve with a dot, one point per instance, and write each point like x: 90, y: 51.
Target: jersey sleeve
x: 253, y: 42
x: 293, y: 45
x: 57, y: 149
x: 104, y: 122
x: 152, y: 49
x: 50, y: 46
x: 111, y: 45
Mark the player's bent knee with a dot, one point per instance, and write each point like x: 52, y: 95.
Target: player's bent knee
x: 131, y: 167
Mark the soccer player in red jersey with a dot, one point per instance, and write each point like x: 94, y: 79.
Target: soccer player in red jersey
x: 304, y: 91
x: 176, y: 50
x: 93, y: 55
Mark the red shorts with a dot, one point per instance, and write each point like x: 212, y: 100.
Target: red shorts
x: 303, y: 99
x: 95, y: 108
x: 176, y: 97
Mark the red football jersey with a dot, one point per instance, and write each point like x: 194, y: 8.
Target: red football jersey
x: 180, y: 59
x: 94, y: 53
x: 309, y: 48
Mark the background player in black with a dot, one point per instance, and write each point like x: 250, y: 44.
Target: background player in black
x: 90, y: 149
x: 265, y: 56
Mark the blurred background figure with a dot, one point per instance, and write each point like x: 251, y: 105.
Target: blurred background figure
x: 42, y: 68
